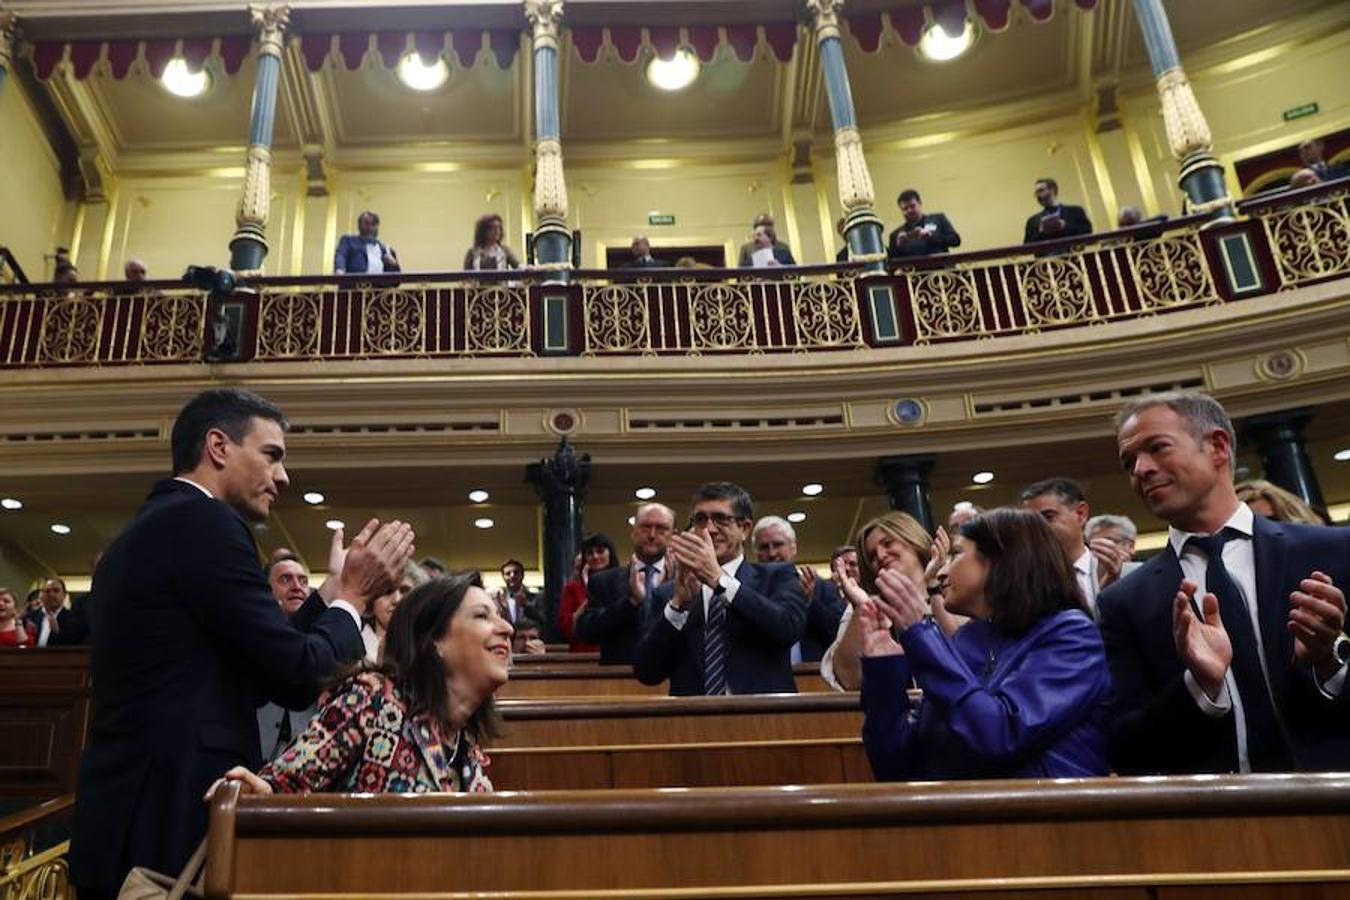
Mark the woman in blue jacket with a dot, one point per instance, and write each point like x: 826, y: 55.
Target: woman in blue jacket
x: 1018, y: 692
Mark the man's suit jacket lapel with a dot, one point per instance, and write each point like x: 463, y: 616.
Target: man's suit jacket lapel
x: 1270, y: 551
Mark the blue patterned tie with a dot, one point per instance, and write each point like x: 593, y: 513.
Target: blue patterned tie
x: 715, y: 647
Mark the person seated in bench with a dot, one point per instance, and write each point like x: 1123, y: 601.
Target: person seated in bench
x: 1020, y: 691
x: 416, y: 723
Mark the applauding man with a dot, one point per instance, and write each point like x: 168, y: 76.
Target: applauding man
x: 1227, y: 649
x: 616, y: 597
x: 721, y: 625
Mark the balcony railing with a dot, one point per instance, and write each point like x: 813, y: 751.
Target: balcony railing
x: 1296, y: 239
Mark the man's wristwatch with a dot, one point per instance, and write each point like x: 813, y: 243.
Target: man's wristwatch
x: 1340, y: 650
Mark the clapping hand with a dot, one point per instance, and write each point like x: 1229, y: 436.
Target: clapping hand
x: 938, y: 552
x: 1201, y: 640
x: 1111, y: 559
x: 875, y: 630
x: 848, y: 586
x: 807, y: 576
x: 637, y: 585
x: 1316, y: 620
x: 694, y: 551
x: 901, y: 600
x: 374, y: 562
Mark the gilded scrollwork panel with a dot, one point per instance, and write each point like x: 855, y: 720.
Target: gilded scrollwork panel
x: 616, y: 319
x: 1171, y: 272
x: 288, y: 326
x: 172, y: 327
x: 393, y: 322
x: 826, y: 315
x: 721, y: 317
x: 71, y: 328
x: 1311, y: 242
x: 497, y: 320
x: 945, y: 304
x: 43, y: 876
x: 1055, y: 291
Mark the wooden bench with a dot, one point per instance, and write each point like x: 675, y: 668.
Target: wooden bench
x: 1273, y: 837
x: 538, y: 679
x: 44, y: 719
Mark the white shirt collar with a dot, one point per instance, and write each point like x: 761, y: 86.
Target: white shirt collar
x: 194, y: 484
x: 659, y: 565
x: 732, y: 565
x: 1084, y: 563
x: 1240, y: 521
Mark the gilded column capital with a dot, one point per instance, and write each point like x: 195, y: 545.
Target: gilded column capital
x: 545, y: 18
x: 270, y: 20
x: 9, y: 29
x: 1187, y: 130
x: 825, y: 16
x: 855, y: 180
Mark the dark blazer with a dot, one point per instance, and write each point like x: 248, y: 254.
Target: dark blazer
x: 766, y: 617
x: 1157, y: 727
x: 781, y: 252
x: 646, y: 262
x: 940, y: 241
x: 188, y: 642
x: 609, y: 619
x: 823, y: 613
x: 1075, y: 219
x: 73, y: 628
x: 351, y: 255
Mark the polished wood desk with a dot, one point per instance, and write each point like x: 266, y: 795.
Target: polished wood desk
x: 1269, y: 837
x: 44, y: 719
x: 619, y: 721
x: 542, y: 679
x: 561, y: 658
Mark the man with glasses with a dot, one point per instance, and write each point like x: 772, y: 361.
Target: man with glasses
x: 720, y: 624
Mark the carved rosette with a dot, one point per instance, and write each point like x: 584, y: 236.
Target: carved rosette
x: 256, y: 202
x: 855, y: 181
x: 545, y: 17
x: 1187, y: 130
x: 9, y: 27
x: 550, y: 187
x: 270, y: 21
x: 825, y: 17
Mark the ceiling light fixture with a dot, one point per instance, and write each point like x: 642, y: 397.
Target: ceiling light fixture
x: 313, y: 498
x: 673, y: 74
x: 419, y: 76
x: 632, y: 520
x: 645, y: 493
x: 813, y: 489
x: 795, y: 517
x: 479, y: 496
x: 181, y: 82
x: 58, y: 528
x: 11, y: 503
x: 982, y: 477
x: 937, y: 45
x: 1339, y: 456
x: 334, y: 524
x: 483, y: 523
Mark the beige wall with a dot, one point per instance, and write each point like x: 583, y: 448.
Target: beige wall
x: 30, y: 185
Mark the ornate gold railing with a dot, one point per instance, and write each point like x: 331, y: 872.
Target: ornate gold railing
x: 33, y: 848
x: 1310, y: 241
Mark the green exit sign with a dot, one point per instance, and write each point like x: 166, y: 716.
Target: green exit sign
x: 1298, y: 112
x: 660, y: 219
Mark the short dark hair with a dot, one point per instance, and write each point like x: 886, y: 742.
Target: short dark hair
x: 741, y: 504
x: 513, y: 562
x: 410, y: 657
x: 285, y: 557
x: 431, y: 562
x: 1066, y: 489
x: 374, y: 216
x: 841, y: 550
x: 1054, y: 185
x: 60, y: 581
x: 599, y: 539
x: 232, y: 410
x: 525, y: 623
x: 1030, y: 577
x: 908, y: 194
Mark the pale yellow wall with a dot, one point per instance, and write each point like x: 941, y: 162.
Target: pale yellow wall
x: 30, y: 185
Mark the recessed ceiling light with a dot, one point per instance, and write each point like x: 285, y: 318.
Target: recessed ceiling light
x: 982, y: 477
x: 60, y: 529
x: 812, y: 489
x: 645, y: 493
x: 334, y: 524
x: 419, y: 76
x: 938, y: 46
x: 479, y: 496
x: 11, y: 503
x: 180, y: 82
x: 483, y: 523
x: 674, y: 74
x: 962, y: 505
x: 1340, y: 456
x: 313, y: 498
x: 632, y: 520
x: 795, y: 517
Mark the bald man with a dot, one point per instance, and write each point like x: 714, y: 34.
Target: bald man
x: 615, y: 597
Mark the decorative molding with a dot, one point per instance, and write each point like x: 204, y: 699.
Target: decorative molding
x: 1187, y: 130
x: 9, y: 29
x: 550, y: 185
x: 825, y: 16
x: 855, y: 181
x: 545, y: 17
x: 270, y: 21
x: 256, y: 200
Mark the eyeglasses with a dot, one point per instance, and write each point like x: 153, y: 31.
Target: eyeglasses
x: 721, y: 520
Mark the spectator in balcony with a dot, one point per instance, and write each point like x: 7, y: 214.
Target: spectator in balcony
x: 289, y: 582
x: 416, y: 723
x: 1304, y: 178
x: 1131, y: 216
x: 382, y: 610
x: 616, y: 598
x: 1120, y: 531
x: 920, y: 234
x: 488, y: 252
x: 1275, y: 503
x: 768, y: 251
x: 66, y: 273
x: 13, y: 631
x: 528, y: 640
x: 1063, y: 505
x: 1021, y: 691
x: 1055, y: 220
x: 135, y: 271
x: 642, y: 255
x: 55, y: 625
x: 515, y: 598
x: 1312, y: 154
x: 775, y: 541
x: 745, y: 259
x: 364, y: 253
x: 598, y: 553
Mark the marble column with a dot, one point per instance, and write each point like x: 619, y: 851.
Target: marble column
x: 552, y: 237
x: 1284, y: 456
x: 906, y: 481
x: 862, y: 227
x: 561, y: 482
x: 1187, y: 131
x: 248, y: 247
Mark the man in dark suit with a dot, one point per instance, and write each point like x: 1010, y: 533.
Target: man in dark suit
x: 920, y: 234
x: 721, y: 625
x: 642, y: 255
x: 1055, y: 220
x: 1312, y: 153
x: 775, y: 541
x: 516, y: 600
x: 55, y: 625
x: 188, y: 641
x: 1227, y: 649
x: 616, y: 598
x: 364, y: 253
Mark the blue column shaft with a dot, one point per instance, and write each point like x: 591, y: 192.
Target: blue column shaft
x: 836, y: 84
x: 1158, y: 40
x: 265, y: 101
x: 546, y: 93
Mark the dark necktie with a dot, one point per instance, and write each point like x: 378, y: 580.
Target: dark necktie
x: 715, y: 647
x: 1266, y: 747
x: 648, y: 583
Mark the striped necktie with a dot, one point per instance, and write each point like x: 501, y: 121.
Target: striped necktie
x: 715, y: 647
